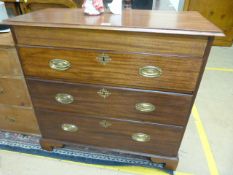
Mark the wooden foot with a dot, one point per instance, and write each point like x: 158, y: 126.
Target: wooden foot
x: 49, y: 145
x: 169, y: 163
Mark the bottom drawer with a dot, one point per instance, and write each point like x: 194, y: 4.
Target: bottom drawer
x: 18, y: 120
x: 118, y: 135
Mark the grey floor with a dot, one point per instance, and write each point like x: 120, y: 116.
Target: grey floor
x: 215, y: 108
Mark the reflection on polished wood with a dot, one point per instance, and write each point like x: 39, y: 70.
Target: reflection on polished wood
x: 134, y: 20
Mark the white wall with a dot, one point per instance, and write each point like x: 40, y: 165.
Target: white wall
x: 177, y: 4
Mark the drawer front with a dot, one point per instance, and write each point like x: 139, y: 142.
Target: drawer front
x: 131, y: 70
x: 154, y: 139
x: 112, y: 40
x: 18, y: 119
x: 9, y: 62
x: 14, y: 92
x: 109, y: 102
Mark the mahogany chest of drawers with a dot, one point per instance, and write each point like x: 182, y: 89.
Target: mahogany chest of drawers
x: 124, y: 83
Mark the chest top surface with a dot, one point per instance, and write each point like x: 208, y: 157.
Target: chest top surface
x: 168, y: 22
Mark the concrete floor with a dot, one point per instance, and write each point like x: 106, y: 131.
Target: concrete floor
x: 215, y: 108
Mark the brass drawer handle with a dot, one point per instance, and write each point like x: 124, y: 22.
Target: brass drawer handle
x: 141, y: 137
x: 103, y: 59
x: 105, y: 123
x: 64, y: 98
x: 145, y: 107
x: 69, y: 127
x: 59, y: 64
x: 150, y: 71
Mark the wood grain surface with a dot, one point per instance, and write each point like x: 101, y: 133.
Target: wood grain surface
x: 164, y: 140
x: 219, y: 13
x: 18, y: 119
x: 9, y: 63
x: 6, y: 40
x: 170, y: 109
x: 178, y: 74
x: 112, y: 40
x: 14, y: 92
x: 191, y: 23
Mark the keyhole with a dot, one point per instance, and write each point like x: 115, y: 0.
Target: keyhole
x: 104, y: 59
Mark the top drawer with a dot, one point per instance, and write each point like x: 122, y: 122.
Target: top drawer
x: 112, y: 40
x: 144, y: 71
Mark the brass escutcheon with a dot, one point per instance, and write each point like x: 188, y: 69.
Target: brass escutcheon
x: 69, y: 127
x: 59, y: 64
x: 145, y: 107
x: 105, y: 123
x: 103, y: 58
x: 64, y: 98
x: 150, y: 71
x: 104, y: 93
x: 140, y: 137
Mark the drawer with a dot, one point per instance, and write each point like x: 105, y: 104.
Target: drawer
x: 10, y: 65
x: 111, y: 68
x: 112, y: 40
x: 128, y: 136
x: 111, y: 102
x: 14, y: 92
x: 18, y: 119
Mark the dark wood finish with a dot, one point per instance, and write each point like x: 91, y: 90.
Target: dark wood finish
x: 187, y: 23
x: 164, y: 139
x: 170, y: 36
x: 112, y: 40
x: 178, y: 74
x: 169, y: 163
x: 219, y: 13
x: 171, y: 108
x: 18, y: 119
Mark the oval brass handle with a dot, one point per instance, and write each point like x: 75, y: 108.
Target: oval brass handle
x: 145, y: 107
x: 141, y: 137
x: 69, y: 127
x: 64, y: 98
x: 150, y: 71
x: 59, y: 64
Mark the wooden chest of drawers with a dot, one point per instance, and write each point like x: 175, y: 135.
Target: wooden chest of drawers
x: 124, y: 83
x: 16, y: 113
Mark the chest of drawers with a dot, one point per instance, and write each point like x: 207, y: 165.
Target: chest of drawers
x: 124, y: 83
x: 16, y: 113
